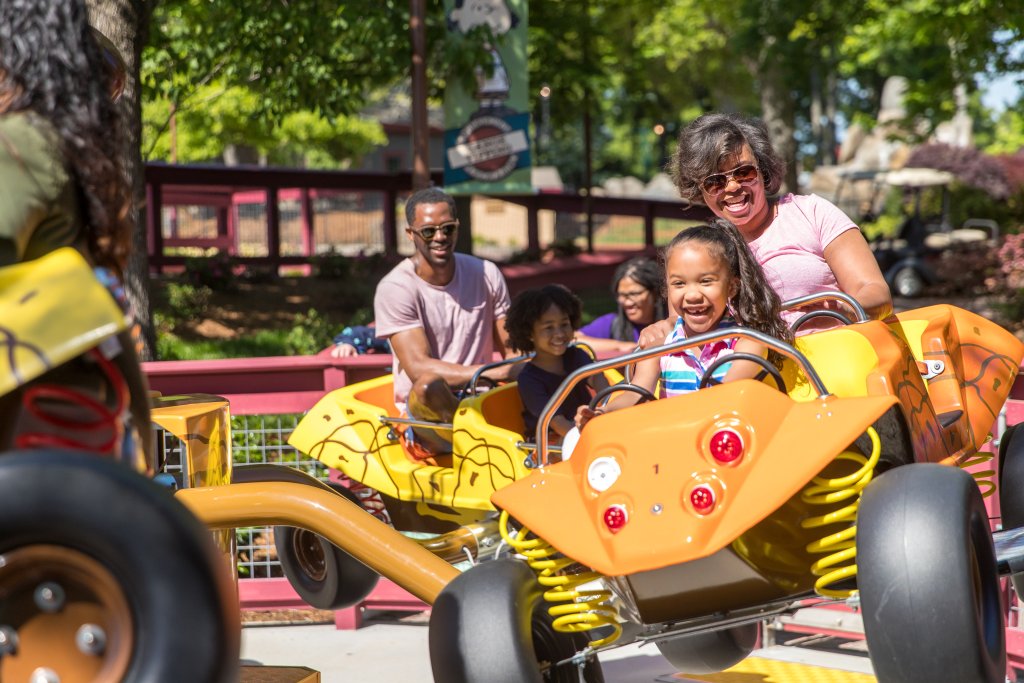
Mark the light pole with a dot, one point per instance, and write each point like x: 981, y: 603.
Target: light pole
x: 544, y: 130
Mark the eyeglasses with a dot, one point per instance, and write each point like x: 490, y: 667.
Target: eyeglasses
x: 715, y: 183
x: 427, y: 232
x: 631, y: 296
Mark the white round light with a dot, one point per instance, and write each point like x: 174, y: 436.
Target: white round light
x: 602, y: 473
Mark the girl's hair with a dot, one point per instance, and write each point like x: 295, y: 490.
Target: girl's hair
x: 755, y: 305
x: 647, y: 273
x: 709, y: 139
x: 51, y: 65
x: 530, y: 305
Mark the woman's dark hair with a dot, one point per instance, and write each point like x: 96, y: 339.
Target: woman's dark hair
x: 530, y: 305
x: 709, y: 139
x: 647, y: 273
x: 51, y: 65
x: 756, y: 304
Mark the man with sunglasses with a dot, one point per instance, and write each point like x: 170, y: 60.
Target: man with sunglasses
x: 443, y: 312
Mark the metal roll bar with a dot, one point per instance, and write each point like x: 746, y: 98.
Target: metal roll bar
x: 592, y: 369
x: 862, y: 316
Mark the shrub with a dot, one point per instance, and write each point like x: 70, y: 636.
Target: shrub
x: 216, y: 272
x: 187, y: 301
x: 310, y: 333
x: 331, y: 265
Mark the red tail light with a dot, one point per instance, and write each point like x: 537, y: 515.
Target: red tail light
x: 726, y: 446
x: 615, y: 517
x: 702, y: 497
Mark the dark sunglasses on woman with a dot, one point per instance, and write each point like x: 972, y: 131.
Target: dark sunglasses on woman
x: 715, y: 183
x: 427, y: 232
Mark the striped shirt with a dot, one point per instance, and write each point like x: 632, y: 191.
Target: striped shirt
x: 682, y: 371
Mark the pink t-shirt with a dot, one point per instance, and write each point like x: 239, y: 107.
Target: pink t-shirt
x: 792, y: 250
x: 457, y: 318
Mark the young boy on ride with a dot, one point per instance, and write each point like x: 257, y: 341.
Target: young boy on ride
x: 544, y: 321
x: 713, y: 282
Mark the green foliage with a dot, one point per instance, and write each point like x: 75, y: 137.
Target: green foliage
x: 188, y: 301
x: 216, y: 272
x: 217, y: 116
x: 310, y: 333
x: 170, y: 346
x: 1008, y: 136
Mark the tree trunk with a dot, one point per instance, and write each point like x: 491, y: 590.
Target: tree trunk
x: 777, y: 112
x: 126, y: 23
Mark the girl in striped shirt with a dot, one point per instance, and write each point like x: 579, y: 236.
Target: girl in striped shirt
x: 712, y: 282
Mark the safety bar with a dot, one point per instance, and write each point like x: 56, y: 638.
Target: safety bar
x: 496, y: 364
x: 655, y: 351
x: 411, y: 422
x: 334, y: 517
x: 862, y: 315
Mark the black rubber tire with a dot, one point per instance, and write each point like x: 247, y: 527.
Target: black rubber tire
x: 707, y: 653
x: 323, y: 575
x: 811, y: 315
x: 926, y: 571
x: 1011, y: 487
x: 182, y: 599
x: 767, y: 370
x: 490, y: 625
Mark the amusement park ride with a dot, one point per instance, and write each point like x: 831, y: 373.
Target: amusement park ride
x: 682, y: 522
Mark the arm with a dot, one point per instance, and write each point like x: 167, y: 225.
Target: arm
x: 745, y: 369
x: 413, y: 352
x: 858, y: 274
x: 647, y: 373
x: 601, y: 345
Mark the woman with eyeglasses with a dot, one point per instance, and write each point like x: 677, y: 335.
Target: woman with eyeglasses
x: 637, y: 286
x: 804, y: 243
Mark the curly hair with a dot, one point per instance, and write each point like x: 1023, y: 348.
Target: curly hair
x: 530, y: 305
x: 52, y: 66
x: 756, y: 304
x: 429, y: 195
x: 647, y: 273
x: 709, y: 139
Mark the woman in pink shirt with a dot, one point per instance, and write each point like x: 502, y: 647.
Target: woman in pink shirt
x: 804, y: 243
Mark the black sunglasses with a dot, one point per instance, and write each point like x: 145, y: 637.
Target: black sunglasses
x: 715, y: 183
x: 427, y: 232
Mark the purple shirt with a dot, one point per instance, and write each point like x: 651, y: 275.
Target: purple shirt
x: 601, y: 328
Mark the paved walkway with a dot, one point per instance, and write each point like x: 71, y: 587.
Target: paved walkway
x: 396, y: 652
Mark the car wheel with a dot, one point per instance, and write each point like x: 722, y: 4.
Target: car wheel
x: 104, y: 576
x: 491, y: 625
x: 907, y: 282
x: 706, y: 653
x: 323, y: 575
x: 1011, y: 487
x: 926, y: 571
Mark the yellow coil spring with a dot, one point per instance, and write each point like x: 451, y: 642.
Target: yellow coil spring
x: 985, y: 479
x: 582, y: 609
x: 840, y: 563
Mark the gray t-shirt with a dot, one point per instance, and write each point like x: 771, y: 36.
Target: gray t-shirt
x: 458, y: 318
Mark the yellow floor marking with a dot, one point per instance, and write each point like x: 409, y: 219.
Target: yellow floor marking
x: 756, y: 670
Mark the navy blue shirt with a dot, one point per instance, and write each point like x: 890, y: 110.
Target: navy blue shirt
x: 536, y: 387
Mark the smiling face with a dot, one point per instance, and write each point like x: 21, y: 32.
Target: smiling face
x: 552, y: 332
x: 745, y: 206
x: 699, y: 286
x: 435, y: 258
x: 636, y: 300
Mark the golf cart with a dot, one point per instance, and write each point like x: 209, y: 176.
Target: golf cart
x: 909, y: 259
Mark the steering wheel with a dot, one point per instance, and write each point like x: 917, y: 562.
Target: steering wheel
x: 614, y: 388
x: 768, y: 369
x: 824, y: 313
x: 483, y: 384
